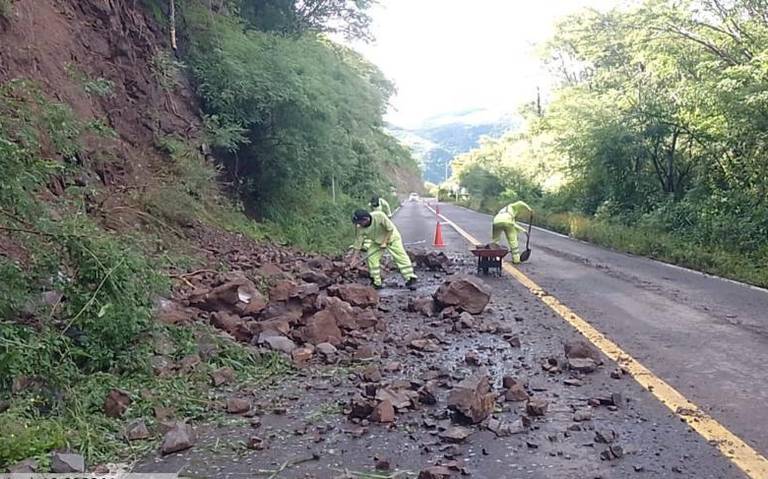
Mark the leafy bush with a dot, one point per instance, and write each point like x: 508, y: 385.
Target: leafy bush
x: 289, y: 112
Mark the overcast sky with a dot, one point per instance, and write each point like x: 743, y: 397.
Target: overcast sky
x: 451, y: 55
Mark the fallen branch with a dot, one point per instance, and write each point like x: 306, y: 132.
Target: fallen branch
x: 193, y: 273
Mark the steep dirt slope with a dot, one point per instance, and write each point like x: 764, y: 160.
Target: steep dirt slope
x: 108, y: 60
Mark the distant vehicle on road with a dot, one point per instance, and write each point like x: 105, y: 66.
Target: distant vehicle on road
x: 413, y: 197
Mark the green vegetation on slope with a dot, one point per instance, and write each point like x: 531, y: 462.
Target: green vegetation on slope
x: 292, y: 115
x: 655, y: 142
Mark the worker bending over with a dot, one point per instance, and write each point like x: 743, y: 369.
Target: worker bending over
x: 504, y: 222
x: 380, y: 204
x: 383, y: 236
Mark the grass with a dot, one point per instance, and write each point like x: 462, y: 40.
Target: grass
x: 70, y: 352
x: 74, y: 420
x: 652, y: 243
x: 5, y: 8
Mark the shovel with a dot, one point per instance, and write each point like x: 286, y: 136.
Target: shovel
x: 525, y: 255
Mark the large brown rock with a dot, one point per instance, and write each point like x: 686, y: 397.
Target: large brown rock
x: 536, y: 407
x: 172, y: 313
x: 234, y: 325
x: 342, y: 312
x: 117, y: 403
x: 320, y: 279
x: 432, y: 260
x: 472, y: 399
x: 321, y: 328
x: 425, y: 306
x: 468, y: 294
x: 356, y: 294
x: 384, y: 412
x: 282, y: 290
x: 178, y: 438
x: 277, y: 326
x: 237, y: 294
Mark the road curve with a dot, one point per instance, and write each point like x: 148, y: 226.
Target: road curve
x: 705, y: 336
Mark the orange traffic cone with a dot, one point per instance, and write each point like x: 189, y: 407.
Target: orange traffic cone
x: 439, y: 236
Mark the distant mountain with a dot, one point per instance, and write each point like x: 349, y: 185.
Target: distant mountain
x: 439, y: 139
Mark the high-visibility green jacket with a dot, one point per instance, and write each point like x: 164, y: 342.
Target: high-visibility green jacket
x: 383, y: 207
x: 380, y: 228
x: 508, y: 214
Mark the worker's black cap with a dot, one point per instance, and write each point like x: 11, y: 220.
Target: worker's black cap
x: 359, y: 216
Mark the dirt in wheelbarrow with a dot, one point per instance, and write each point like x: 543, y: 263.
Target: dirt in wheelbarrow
x: 486, y: 383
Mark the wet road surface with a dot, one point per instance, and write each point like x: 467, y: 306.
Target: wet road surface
x: 705, y: 336
x: 304, y: 416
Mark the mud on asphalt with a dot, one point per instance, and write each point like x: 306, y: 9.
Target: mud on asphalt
x: 519, y: 407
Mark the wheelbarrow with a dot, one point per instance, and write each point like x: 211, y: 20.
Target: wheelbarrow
x: 489, y: 259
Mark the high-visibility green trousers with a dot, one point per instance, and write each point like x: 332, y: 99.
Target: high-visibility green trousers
x: 399, y: 256
x: 510, y: 231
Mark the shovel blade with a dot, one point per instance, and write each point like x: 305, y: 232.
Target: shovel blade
x: 525, y: 255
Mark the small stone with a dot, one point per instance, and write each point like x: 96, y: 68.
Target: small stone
x: 27, y: 466
x: 372, y: 374
x: 581, y: 349
x: 178, y: 438
x: 584, y: 366
x: 256, y: 443
x: 383, y: 465
x: 536, y: 407
x: 582, y: 415
x: 360, y: 408
x: 364, y: 352
x: 638, y: 468
x: 116, y: 403
x: 238, y: 405
x: 326, y: 349
x: 573, y: 382
x: 455, y: 434
x: 605, y: 436
x: 302, y: 355
x: 393, y: 367
x: 278, y: 343
x: 435, y: 472
x: 514, y: 341
x: 399, y: 399
x: 137, y: 430
x: 617, y: 373
x: 189, y: 363
x: 424, y: 345
x: 222, y: 376
x: 67, y: 462
x: 617, y: 451
x: 617, y: 399
x: 384, y: 412
x: 472, y: 358
x: 516, y: 393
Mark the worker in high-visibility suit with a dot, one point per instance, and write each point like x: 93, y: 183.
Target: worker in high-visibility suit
x: 383, y: 235
x: 504, y: 222
x: 380, y: 204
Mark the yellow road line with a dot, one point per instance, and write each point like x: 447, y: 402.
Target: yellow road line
x: 754, y: 464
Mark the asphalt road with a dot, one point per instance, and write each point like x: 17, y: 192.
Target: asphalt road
x: 705, y: 336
